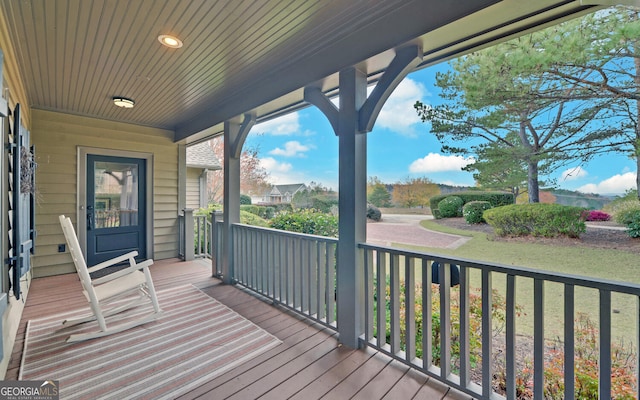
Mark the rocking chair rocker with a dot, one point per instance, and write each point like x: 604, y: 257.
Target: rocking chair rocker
x: 101, y: 292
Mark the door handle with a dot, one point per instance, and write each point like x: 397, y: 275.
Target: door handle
x: 89, y: 218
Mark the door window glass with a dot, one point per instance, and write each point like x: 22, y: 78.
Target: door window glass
x: 116, y: 194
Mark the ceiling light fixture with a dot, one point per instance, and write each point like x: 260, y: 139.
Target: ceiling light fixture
x: 170, y: 41
x: 123, y: 102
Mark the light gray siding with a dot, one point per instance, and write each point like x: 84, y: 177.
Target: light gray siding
x: 193, y: 188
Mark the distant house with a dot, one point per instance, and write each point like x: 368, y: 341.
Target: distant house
x: 283, y: 193
x: 200, y: 160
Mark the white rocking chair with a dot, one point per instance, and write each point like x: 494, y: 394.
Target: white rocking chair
x: 101, y: 292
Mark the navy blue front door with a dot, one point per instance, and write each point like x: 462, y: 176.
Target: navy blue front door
x: 116, y: 215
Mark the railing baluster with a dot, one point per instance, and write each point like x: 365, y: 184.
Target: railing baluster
x: 313, y: 278
x: 254, y: 260
x: 487, y: 332
x: 260, y: 264
x: 295, y: 281
x: 410, y: 309
x: 569, y: 341
x: 331, y: 282
x: 289, y: 271
x: 510, y: 337
x: 465, y: 376
x: 237, y: 260
x: 538, y: 339
x: 444, y: 277
x: 604, y: 380
x: 322, y: 280
x: 381, y: 306
x: 395, y: 302
x: 368, y: 293
x: 304, y: 277
x: 427, y: 322
x: 278, y: 249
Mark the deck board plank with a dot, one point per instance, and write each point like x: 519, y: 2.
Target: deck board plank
x: 276, y: 377
x: 385, y: 380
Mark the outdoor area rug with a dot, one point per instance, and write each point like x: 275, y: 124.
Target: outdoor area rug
x: 195, y: 340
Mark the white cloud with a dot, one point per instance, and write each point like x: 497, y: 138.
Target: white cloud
x: 286, y: 125
x: 398, y: 114
x: 291, y: 149
x: 434, y: 162
x: 617, y: 184
x: 574, y: 173
x: 273, y: 166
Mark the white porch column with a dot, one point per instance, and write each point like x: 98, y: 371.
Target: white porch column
x: 235, y: 134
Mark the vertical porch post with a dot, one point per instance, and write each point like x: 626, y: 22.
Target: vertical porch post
x: 189, y: 236
x: 235, y: 133
x: 231, y: 202
x: 355, y: 117
x: 352, y: 191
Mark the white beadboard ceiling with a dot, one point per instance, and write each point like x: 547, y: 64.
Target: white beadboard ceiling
x: 239, y: 55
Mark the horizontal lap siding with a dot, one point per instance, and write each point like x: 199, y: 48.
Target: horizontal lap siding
x: 57, y: 137
x: 193, y: 188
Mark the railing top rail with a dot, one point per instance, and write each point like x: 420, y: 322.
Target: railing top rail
x: 577, y: 280
x: 280, y: 232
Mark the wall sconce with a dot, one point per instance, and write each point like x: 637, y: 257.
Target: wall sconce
x: 123, y: 102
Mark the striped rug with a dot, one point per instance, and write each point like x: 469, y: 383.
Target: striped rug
x: 197, y: 339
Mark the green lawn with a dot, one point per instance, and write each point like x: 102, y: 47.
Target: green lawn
x: 607, y: 264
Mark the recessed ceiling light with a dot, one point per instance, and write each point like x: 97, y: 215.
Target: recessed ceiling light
x: 170, y: 41
x: 123, y: 102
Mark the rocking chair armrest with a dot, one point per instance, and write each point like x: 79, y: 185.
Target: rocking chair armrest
x: 126, y: 271
x: 113, y: 261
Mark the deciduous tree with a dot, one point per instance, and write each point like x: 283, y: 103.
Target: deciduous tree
x: 253, y: 178
x: 414, y: 192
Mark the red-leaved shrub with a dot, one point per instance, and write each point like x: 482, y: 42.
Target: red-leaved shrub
x: 597, y: 215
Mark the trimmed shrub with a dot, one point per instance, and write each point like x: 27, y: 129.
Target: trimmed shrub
x: 244, y: 199
x: 261, y: 211
x: 597, y: 215
x: 323, y: 203
x: 278, y: 207
x: 633, y: 227
x: 307, y: 221
x: 373, y: 213
x: 538, y: 219
x: 625, y: 211
x: 450, y: 207
x: 473, y: 210
x: 496, y: 199
x: 252, y: 219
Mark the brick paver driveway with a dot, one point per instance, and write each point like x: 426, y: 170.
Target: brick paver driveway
x: 406, y: 229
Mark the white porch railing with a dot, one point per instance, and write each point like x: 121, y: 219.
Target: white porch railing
x: 204, y: 239
x: 294, y: 270
x: 399, y: 271
x: 203, y: 235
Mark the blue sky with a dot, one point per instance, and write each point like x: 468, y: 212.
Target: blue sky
x: 301, y: 147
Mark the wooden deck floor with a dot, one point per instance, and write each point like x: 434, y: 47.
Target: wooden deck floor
x: 309, y: 364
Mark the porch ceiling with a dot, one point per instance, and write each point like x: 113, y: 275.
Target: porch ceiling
x: 238, y: 55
